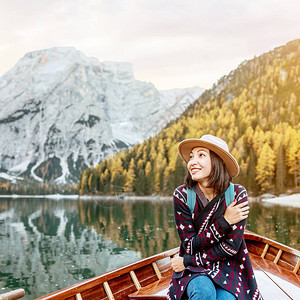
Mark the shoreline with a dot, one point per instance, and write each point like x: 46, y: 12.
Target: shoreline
x: 88, y: 197
x: 289, y: 200
x: 51, y: 196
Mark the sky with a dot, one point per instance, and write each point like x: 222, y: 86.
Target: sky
x: 171, y: 43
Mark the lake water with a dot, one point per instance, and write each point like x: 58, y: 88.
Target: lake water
x: 46, y: 245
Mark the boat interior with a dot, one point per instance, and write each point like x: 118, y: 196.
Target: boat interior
x: 276, y: 268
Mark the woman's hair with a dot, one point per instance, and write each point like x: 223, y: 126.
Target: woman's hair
x: 219, y: 177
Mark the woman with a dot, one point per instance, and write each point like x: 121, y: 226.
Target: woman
x: 213, y: 261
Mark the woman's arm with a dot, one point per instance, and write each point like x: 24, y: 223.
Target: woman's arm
x: 234, y: 213
x: 190, y: 239
x: 227, y: 248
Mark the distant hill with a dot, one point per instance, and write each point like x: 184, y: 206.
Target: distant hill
x: 61, y: 112
x: 255, y: 108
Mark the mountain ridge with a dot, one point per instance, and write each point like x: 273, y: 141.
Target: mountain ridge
x: 255, y: 109
x: 61, y: 112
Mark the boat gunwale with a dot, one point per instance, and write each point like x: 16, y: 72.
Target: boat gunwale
x: 85, y: 285
x: 248, y: 235
x: 100, y: 279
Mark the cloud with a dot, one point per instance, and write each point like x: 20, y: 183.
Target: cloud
x: 170, y: 43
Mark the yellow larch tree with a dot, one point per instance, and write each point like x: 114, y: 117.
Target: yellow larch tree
x: 265, y: 168
x: 130, y: 177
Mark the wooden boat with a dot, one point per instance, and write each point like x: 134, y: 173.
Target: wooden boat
x: 276, y: 268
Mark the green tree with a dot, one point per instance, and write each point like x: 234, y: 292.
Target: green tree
x: 280, y: 170
x: 140, y: 182
x: 251, y: 172
x: 294, y: 162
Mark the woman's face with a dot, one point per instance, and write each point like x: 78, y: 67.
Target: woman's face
x: 199, y: 165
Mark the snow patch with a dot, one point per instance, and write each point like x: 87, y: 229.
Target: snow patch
x: 9, y: 177
x: 63, y: 104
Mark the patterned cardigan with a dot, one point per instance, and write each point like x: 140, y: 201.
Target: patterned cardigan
x: 210, y: 246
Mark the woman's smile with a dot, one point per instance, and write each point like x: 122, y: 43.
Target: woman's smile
x: 194, y: 170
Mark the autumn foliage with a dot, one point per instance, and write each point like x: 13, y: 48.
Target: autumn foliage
x: 255, y: 109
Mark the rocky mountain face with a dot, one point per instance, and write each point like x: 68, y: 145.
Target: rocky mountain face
x: 61, y: 112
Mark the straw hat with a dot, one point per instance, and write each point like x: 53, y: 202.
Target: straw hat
x: 214, y: 144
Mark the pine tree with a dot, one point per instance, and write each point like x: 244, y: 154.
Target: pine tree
x: 251, y: 172
x: 130, y: 177
x: 265, y: 168
x: 83, y: 184
x: 280, y: 173
x: 92, y: 182
x: 294, y: 162
x: 149, y: 185
x: 140, y: 185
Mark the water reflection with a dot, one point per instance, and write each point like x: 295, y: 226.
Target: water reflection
x: 144, y: 226
x: 47, y: 245
x: 276, y: 222
x: 44, y: 247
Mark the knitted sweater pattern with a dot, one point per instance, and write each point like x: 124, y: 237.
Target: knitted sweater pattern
x: 210, y: 246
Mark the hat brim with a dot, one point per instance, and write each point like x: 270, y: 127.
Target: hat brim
x: 186, y: 146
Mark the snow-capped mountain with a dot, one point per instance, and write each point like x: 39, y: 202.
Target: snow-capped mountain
x: 61, y: 111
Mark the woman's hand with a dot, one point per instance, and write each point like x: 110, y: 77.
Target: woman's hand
x: 177, y: 263
x: 236, y: 213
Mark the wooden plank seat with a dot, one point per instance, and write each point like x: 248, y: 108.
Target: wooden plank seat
x: 156, y: 290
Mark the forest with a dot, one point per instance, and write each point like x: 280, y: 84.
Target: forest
x: 255, y: 109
